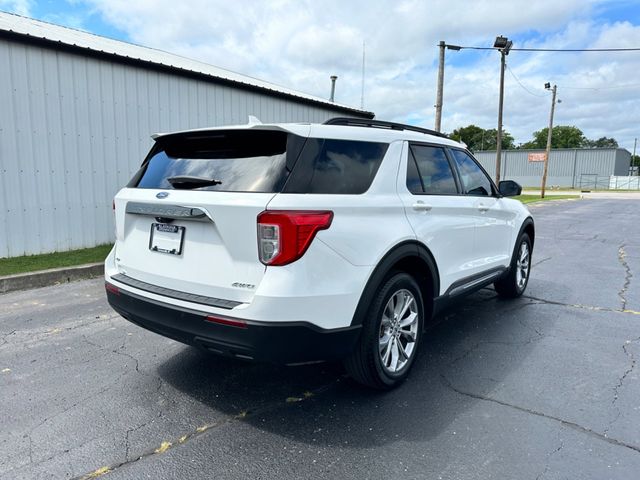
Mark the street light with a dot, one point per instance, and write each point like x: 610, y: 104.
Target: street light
x: 504, y: 45
x: 438, y: 105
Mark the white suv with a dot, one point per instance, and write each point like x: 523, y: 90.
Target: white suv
x: 295, y: 243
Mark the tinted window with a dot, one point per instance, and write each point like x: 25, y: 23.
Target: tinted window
x: 336, y: 166
x: 434, y: 170
x: 242, y: 161
x: 414, y: 184
x: 474, y: 180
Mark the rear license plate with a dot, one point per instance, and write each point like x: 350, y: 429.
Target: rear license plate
x: 166, y: 238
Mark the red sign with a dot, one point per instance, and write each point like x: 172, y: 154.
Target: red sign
x: 537, y: 157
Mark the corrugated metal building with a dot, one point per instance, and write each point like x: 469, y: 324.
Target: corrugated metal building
x: 76, y: 114
x: 570, y: 167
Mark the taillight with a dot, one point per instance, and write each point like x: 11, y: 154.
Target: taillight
x: 230, y: 322
x: 111, y: 288
x: 284, y: 235
x: 115, y: 223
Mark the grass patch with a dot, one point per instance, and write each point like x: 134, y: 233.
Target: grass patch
x: 32, y: 263
x: 582, y: 189
x: 536, y: 198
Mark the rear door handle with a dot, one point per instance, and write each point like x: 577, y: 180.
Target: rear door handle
x: 483, y: 208
x: 421, y: 207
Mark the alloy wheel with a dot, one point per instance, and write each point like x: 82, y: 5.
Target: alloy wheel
x: 522, y: 266
x: 398, y: 331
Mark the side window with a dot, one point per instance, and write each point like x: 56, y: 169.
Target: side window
x: 434, y: 172
x: 414, y: 184
x: 331, y: 166
x: 474, y: 180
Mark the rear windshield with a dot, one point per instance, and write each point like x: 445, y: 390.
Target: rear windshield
x: 260, y: 161
x: 336, y: 166
x: 232, y: 161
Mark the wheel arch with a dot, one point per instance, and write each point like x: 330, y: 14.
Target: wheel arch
x: 412, y: 257
x: 527, y: 227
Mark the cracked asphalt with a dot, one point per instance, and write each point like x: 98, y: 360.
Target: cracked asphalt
x: 543, y: 387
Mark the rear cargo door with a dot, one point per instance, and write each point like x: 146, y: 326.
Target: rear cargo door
x: 187, y: 221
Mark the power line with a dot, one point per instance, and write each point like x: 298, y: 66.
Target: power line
x: 611, y: 87
x: 630, y: 85
x: 637, y: 49
x: 520, y: 83
x: 577, y: 49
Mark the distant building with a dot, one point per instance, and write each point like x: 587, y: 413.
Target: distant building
x: 76, y: 114
x: 568, y: 167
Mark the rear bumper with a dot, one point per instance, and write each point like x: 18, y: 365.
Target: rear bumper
x: 282, y: 342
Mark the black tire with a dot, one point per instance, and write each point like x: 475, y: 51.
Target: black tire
x: 511, y: 286
x: 365, y: 364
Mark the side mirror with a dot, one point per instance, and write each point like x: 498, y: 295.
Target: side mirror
x: 509, y: 188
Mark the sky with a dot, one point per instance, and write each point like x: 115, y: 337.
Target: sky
x: 301, y: 43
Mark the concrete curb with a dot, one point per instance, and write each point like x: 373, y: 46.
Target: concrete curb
x: 54, y: 276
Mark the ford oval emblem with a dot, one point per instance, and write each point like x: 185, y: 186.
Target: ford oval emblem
x: 162, y: 195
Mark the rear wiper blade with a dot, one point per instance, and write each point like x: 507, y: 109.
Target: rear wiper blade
x: 185, y: 182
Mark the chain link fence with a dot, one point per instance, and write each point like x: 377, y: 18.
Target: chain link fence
x: 588, y: 181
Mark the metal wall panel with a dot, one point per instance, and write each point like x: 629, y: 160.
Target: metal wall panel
x: 566, y: 166
x: 63, y: 38
x: 74, y: 129
x: 623, y: 162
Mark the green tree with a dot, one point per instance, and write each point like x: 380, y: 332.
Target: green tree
x: 602, y: 142
x: 471, y: 135
x: 478, y: 139
x: 635, y: 160
x: 562, y: 136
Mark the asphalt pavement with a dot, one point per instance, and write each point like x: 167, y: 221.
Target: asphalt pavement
x: 543, y: 387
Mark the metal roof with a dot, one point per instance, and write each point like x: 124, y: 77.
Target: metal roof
x: 60, y: 37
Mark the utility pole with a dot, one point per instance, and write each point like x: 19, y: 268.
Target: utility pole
x: 546, y: 156
x: 504, y: 45
x: 440, y: 87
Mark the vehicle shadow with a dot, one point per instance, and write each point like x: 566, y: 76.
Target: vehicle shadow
x: 476, y: 345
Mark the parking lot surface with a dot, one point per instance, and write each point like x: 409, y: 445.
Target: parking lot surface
x: 546, y: 386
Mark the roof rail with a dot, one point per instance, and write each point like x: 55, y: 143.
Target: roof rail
x: 361, y: 122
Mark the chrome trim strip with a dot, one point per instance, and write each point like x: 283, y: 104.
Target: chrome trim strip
x: 167, y: 292
x: 472, y: 283
x: 175, y: 212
